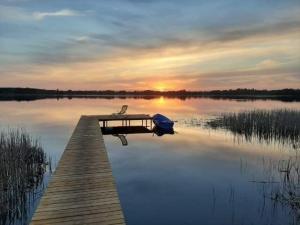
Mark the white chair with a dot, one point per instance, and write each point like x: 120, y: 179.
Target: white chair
x: 122, y: 111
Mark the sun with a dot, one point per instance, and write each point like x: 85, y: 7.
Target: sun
x: 160, y: 87
x: 164, y: 86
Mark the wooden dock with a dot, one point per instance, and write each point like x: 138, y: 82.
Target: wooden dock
x: 82, y: 189
x: 125, y: 119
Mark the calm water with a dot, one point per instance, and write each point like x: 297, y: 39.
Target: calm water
x: 196, y: 176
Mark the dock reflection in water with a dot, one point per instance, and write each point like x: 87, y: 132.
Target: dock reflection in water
x: 122, y: 131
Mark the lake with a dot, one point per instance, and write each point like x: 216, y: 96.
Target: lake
x: 196, y: 176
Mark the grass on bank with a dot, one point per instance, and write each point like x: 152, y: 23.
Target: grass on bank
x: 22, y: 166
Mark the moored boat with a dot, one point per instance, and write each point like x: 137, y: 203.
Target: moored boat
x: 160, y: 132
x: 163, y: 122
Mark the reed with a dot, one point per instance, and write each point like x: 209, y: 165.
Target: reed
x: 289, y: 190
x: 22, y: 166
x: 282, y: 125
x: 281, y: 184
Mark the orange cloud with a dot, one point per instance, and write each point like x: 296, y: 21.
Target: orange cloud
x: 168, y: 67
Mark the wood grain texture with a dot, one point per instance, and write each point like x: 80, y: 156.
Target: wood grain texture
x: 82, y: 190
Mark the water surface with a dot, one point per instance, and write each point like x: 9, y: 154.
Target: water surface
x: 197, y: 176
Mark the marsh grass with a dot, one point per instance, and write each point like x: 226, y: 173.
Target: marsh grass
x: 288, y: 192
x: 281, y: 181
x: 281, y: 184
x: 281, y: 125
x: 22, y: 166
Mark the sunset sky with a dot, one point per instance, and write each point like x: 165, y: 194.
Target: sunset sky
x: 150, y: 44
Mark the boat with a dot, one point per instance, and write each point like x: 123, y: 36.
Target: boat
x: 162, y: 122
x: 160, y: 132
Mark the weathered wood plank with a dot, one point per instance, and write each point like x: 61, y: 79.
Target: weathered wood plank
x: 82, y: 189
x: 80, y: 211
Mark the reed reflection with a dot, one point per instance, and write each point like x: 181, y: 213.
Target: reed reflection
x: 279, y: 182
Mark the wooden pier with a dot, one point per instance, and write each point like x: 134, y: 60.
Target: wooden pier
x: 82, y: 189
x: 125, y: 119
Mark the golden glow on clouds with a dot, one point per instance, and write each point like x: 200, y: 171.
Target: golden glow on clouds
x: 167, y: 67
x: 164, y: 86
x: 119, y: 45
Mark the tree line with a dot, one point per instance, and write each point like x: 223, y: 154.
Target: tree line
x: 230, y: 92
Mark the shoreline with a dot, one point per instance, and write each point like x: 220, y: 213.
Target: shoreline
x: 31, y: 97
x: 242, y: 94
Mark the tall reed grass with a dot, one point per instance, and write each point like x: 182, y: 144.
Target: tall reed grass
x: 289, y: 191
x: 281, y: 184
x: 22, y: 166
x: 282, y: 125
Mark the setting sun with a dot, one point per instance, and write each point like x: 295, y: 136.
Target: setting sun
x: 161, y: 87
x: 164, y: 86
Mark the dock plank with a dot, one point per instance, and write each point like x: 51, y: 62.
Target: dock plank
x: 82, y: 189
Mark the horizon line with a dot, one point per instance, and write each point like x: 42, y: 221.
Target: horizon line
x: 145, y: 90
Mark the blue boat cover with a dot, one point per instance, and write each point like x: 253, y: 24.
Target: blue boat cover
x: 163, y: 122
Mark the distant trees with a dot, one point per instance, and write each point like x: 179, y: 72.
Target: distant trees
x: 236, y: 93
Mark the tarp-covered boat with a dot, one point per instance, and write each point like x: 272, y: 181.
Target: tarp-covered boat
x: 163, y: 122
x: 160, y: 132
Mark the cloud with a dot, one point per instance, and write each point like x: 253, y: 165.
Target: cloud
x: 82, y: 39
x: 11, y: 13
x: 266, y: 64
x: 8, y: 13
x: 258, y: 30
x: 60, y: 13
x: 120, y: 43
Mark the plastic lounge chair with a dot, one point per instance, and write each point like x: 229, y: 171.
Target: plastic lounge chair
x: 122, y: 111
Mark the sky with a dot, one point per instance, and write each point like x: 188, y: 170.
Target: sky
x: 150, y: 44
